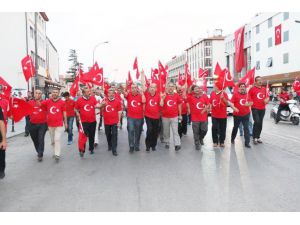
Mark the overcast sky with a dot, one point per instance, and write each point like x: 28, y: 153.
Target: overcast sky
x: 150, y: 30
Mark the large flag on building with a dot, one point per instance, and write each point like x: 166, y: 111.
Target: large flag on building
x: 278, y: 35
x: 19, y: 108
x: 6, y: 88
x: 28, y: 67
x: 239, y: 49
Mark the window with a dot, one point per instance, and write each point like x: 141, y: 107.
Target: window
x: 207, y: 43
x: 257, y: 65
x: 270, y: 62
x: 286, y: 15
x: 270, y: 22
x: 257, y: 46
x: 207, y: 62
x: 270, y: 42
x: 285, y: 58
x: 257, y: 29
x: 207, y: 51
x: 31, y: 32
x: 285, y: 36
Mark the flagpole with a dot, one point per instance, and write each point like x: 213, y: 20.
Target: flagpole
x: 31, y: 76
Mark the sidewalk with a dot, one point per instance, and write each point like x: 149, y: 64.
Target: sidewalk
x: 19, y: 128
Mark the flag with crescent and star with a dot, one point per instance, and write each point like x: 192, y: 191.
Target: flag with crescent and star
x: 28, y: 67
x: 239, y: 49
x: 278, y: 35
x: 6, y: 88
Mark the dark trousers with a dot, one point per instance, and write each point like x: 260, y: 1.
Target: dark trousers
x: 2, y: 160
x: 134, y: 128
x: 152, y: 132
x: 27, y: 126
x: 280, y: 108
x: 37, y: 134
x: 199, y: 131
x: 182, y: 127
x: 218, y: 130
x: 258, y: 117
x: 70, y: 121
x: 89, y: 130
x: 111, y: 132
x: 237, y: 120
x: 100, y: 122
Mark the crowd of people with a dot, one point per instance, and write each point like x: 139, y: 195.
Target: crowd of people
x: 166, y: 115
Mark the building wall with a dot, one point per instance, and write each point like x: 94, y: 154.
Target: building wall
x: 52, y: 61
x: 175, y: 65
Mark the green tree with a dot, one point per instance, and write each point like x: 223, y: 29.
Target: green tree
x: 75, y: 65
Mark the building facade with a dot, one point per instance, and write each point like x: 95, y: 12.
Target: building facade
x: 25, y: 34
x: 175, y: 66
x: 272, y: 47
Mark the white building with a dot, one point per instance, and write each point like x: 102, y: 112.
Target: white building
x: 205, y: 54
x: 175, y: 66
x: 279, y: 64
x: 17, y: 40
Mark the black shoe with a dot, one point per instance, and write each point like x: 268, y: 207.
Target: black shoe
x: 147, y: 149
x: 40, y: 158
x: 96, y: 144
x: 81, y: 154
x: 177, y: 147
x: 115, y: 153
x: 232, y: 141
x: 2, y: 175
x: 259, y: 141
x: 201, y: 142
x: 91, y: 152
x: 153, y: 149
x: 109, y: 148
x: 167, y: 146
x: 247, y: 146
x: 137, y: 149
x: 198, y: 147
x: 131, y: 150
x: 26, y: 135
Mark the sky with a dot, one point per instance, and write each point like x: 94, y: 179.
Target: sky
x: 150, y: 30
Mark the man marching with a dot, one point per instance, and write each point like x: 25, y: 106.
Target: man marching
x: 135, y: 117
x: 171, y: 115
x: 38, y: 124
x: 56, y: 117
x: 242, y: 102
x: 198, y: 106
x: 70, y: 104
x: 85, y: 112
x: 182, y: 127
x: 260, y: 99
x: 112, y: 110
x: 152, y: 109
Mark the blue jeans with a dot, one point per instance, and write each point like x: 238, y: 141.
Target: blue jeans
x: 70, y: 121
x: 134, y: 128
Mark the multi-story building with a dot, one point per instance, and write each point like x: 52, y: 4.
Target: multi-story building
x: 175, y: 66
x: 275, y: 58
x: 25, y: 34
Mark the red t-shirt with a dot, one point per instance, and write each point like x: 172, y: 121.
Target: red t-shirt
x: 86, y: 108
x: 152, y: 107
x: 4, y: 105
x: 134, y: 106
x: 70, y: 104
x: 183, y: 105
x: 197, y: 104
x: 285, y: 96
x: 258, y: 95
x: 219, y: 107
x: 239, y: 101
x: 39, y: 115
x: 55, y: 111
x: 170, y: 109
x: 111, y: 111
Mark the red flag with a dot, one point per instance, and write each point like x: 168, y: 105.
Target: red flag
x: 205, y: 85
x: 154, y: 74
x: 94, y: 76
x: 218, y: 69
x: 188, y: 75
x: 278, y: 35
x: 106, y: 87
x: 224, y: 80
x: 202, y: 73
x: 129, y: 80
x: 162, y: 73
x: 28, y: 67
x: 296, y: 85
x: 147, y: 82
x: 181, y: 79
x: 135, y: 64
x: 82, y: 139
x: 248, y: 79
x: 75, y: 87
x: 6, y: 88
x: 137, y: 75
x: 239, y: 49
x: 19, y: 108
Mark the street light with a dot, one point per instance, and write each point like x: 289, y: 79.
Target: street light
x: 101, y: 43
x: 297, y: 21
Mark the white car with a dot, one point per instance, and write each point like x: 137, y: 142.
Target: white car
x: 228, y: 92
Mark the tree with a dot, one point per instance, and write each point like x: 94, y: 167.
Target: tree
x: 75, y: 65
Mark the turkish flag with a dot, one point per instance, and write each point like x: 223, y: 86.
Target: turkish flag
x: 202, y: 73
x: 135, y: 64
x: 248, y: 79
x: 205, y: 85
x: 94, y: 76
x: 28, y: 67
x: 296, y: 85
x: 239, y: 49
x: 106, y: 87
x: 129, y: 80
x: 147, y: 82
x: 181, y: 79
x: 6, y: 88
x: 224, y: 80
x: 162, y: 73
x: 188, y: 75
x: 278, y: 35
x: 75, y: 87
x: 154, y: 74
x: 218, y: 69
x: 82, y: 139
x: 19, y: 108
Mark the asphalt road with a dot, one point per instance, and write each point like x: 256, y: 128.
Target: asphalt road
x: 264, y: 178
